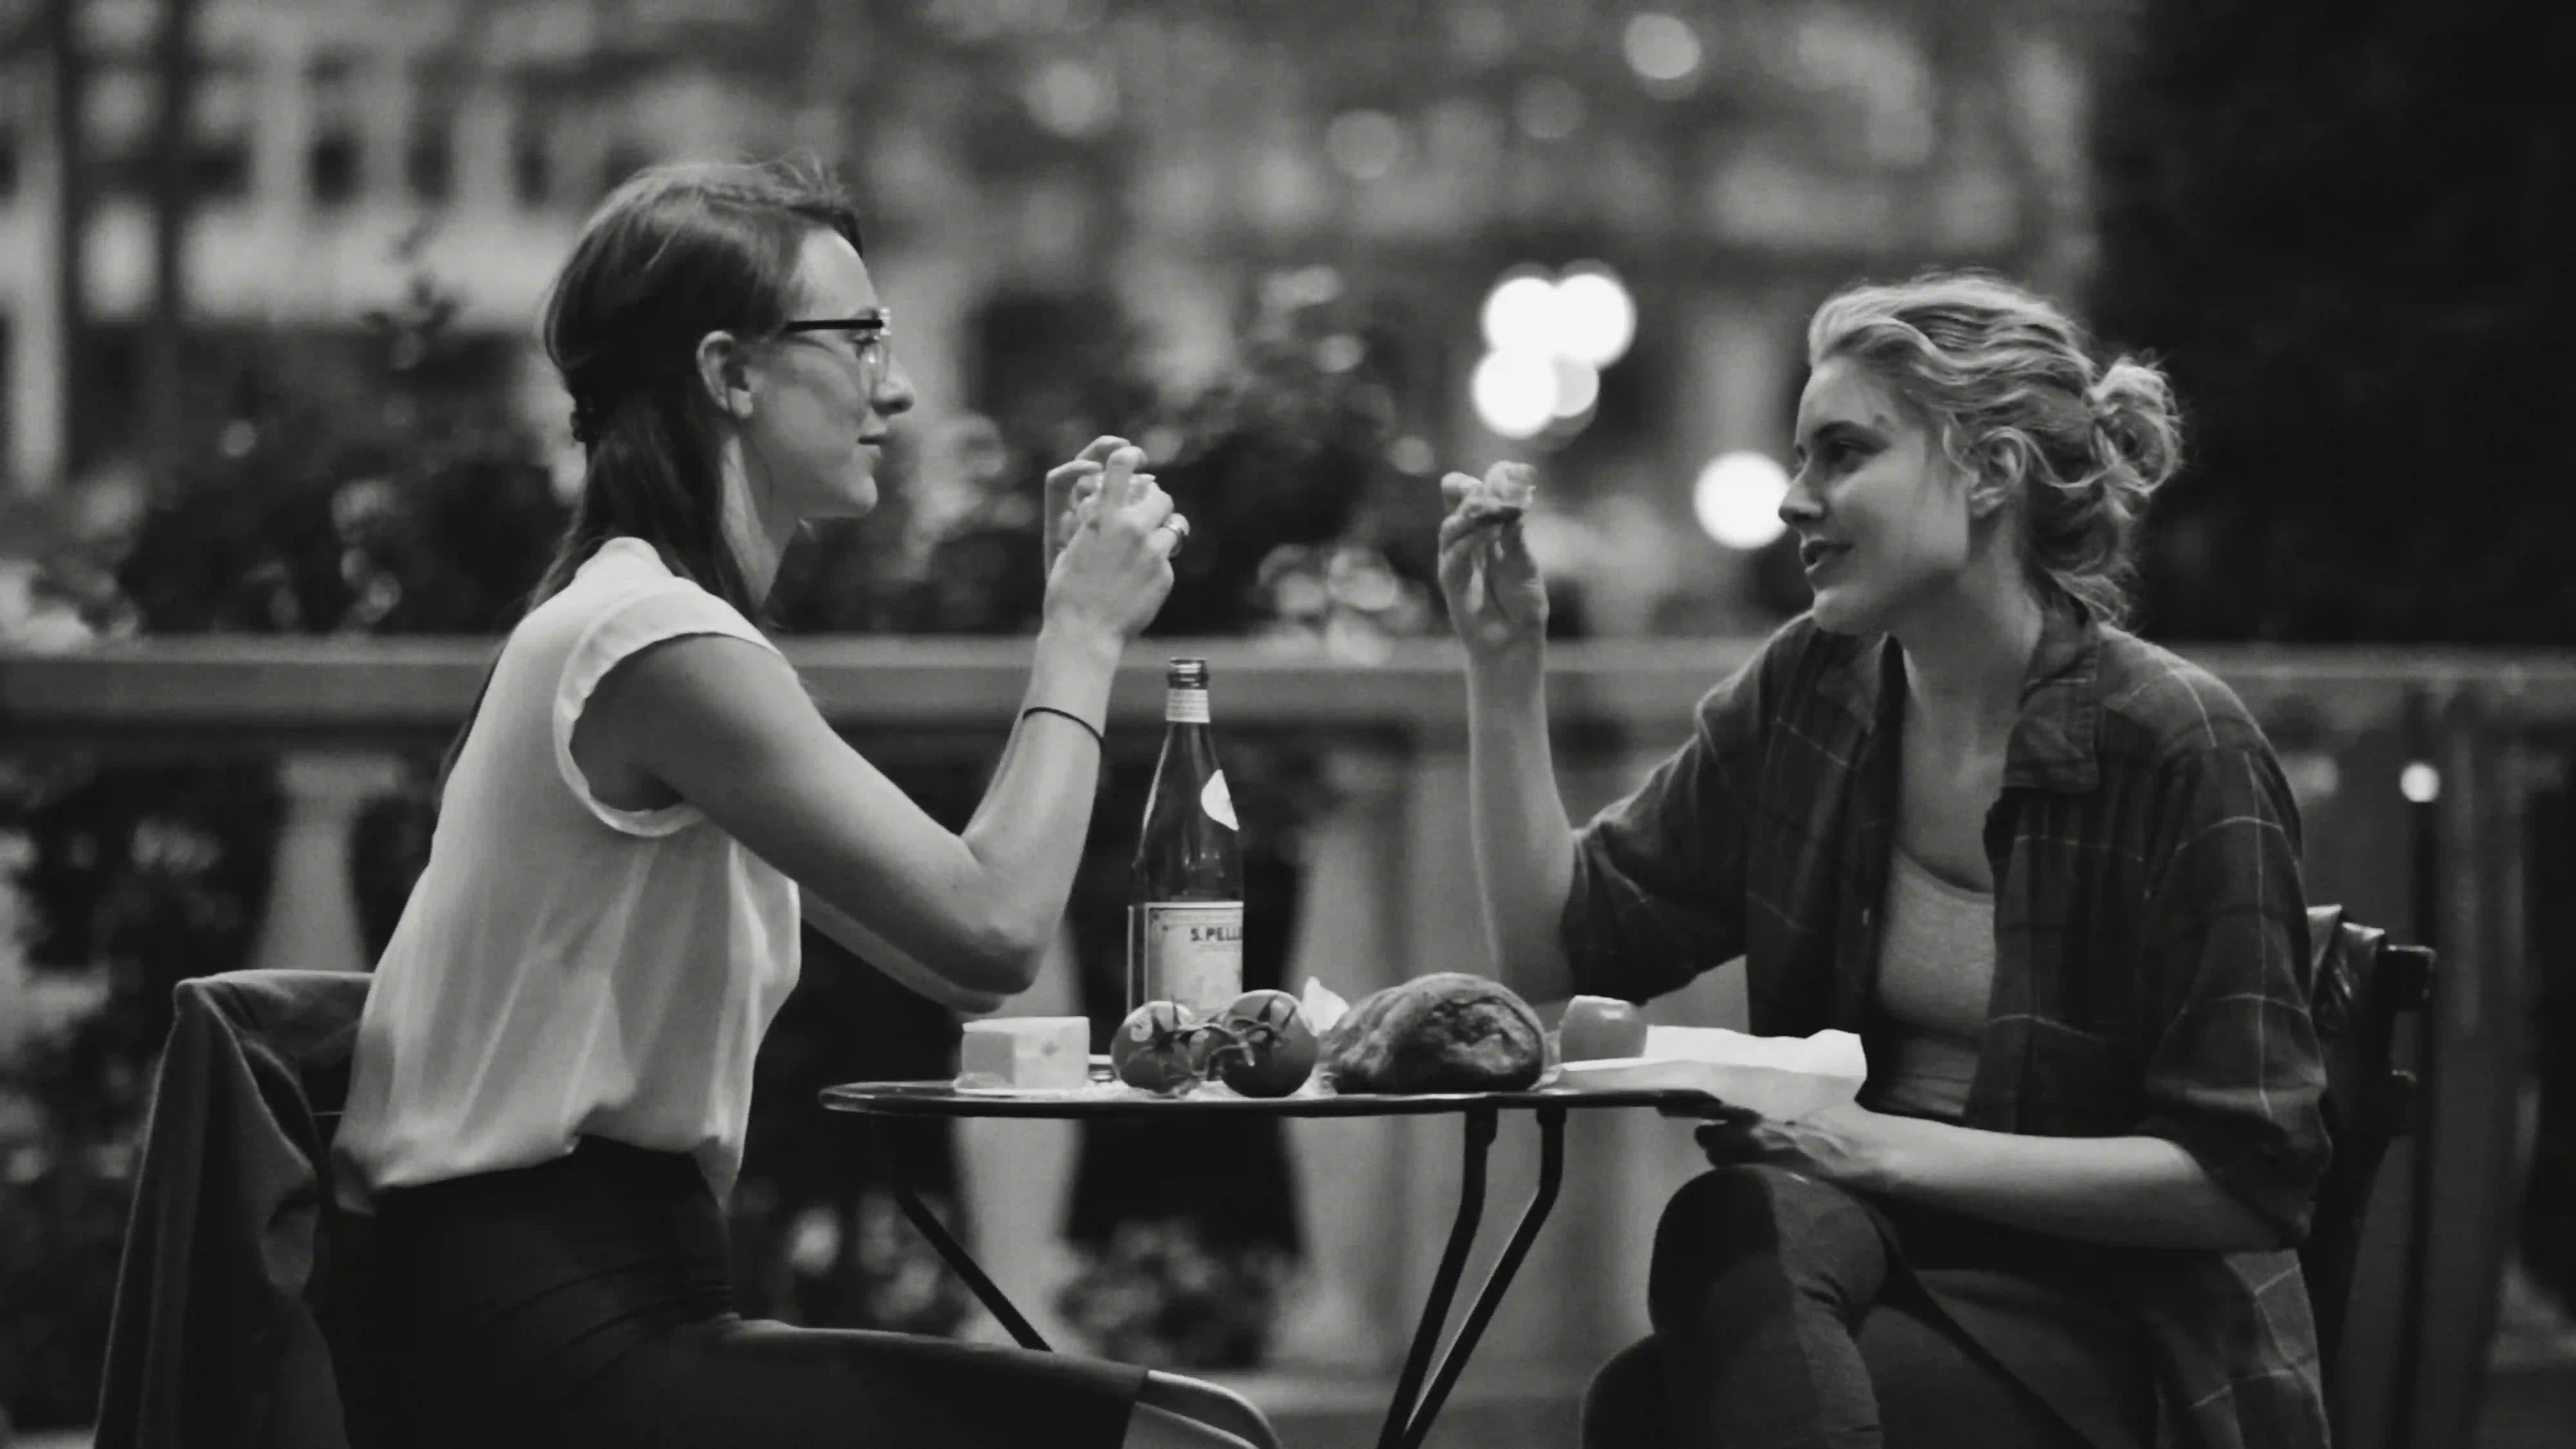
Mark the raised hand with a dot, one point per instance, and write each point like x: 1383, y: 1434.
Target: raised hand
x: 1115, y: 569
x: 1068, y: 485
x: 1497, y: 601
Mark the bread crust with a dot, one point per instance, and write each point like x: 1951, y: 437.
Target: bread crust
x: 1447, y: 1032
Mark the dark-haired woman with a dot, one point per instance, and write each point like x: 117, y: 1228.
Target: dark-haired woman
x: 552, y: 1076
x: 2048, y: 870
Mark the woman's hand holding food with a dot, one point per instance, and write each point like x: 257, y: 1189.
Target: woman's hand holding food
x: 1114, y: 568
x: 1496, y: 598
x: 1068, y: 485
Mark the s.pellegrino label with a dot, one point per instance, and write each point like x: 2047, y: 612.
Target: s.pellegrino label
x: 1185, y: 893
x: 1192, y: 952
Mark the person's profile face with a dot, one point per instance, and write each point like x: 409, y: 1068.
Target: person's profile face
x: 1880, y: 512
x: 824, y: 397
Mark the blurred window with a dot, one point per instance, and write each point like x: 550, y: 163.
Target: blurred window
x: 219, y: 139
x: 116, y: 119
x: 121, y: 111
x: 532, y: 157
x: 429, y: 147
x: 335, y: 152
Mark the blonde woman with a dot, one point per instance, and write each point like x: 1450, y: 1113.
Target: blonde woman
x: 2049, y: 870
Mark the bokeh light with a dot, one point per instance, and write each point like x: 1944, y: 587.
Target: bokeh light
x: 1662, y: 47
x: 1549, y: 108
x: 1521, y: 314
x: 1738, y: 498
x: 1072, y: 99
x: 1550, y: 337
x: 1597, y: 317
x: 1515, y: 392
x: 1412, y: 453
x: 1577, y: 384
x: 1366, y: 145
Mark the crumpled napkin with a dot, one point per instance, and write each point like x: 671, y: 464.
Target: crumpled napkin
x: 1321, y: 1006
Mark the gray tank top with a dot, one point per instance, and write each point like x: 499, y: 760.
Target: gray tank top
x: 1936, y: 971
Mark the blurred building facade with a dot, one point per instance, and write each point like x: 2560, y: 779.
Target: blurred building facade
x: 1150, y: 164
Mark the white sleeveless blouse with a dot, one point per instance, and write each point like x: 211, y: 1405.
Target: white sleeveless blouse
x: 563, y: 967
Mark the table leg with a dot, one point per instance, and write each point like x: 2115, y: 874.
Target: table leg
x: 1444, y: 1285
x: 955, y: 1252
x: 1551, y: 1172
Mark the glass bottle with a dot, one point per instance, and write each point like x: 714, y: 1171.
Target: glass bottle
x: 1185, y: 893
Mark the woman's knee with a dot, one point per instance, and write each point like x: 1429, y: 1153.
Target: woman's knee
x: 1818, y: 1234
x: 1743, y: 1193
x: 1752, y: 1207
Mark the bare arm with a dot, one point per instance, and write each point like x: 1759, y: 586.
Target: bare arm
x: 733, y: 733
x: 1524, y: 844
x: 2142, y: 1191
x: 2139, y: 1191
x: 726, y: 725
x: 880, y: 953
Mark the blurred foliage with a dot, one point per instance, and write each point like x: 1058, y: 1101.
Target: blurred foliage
x: 115, y: 884
x: 120, y: 883
x: 378, y: 485
x: 2350, y: 229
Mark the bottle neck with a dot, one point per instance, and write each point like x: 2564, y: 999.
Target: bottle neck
x: 1185, y: 704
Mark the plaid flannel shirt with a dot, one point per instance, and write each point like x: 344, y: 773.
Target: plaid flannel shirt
x: 2151, y: 945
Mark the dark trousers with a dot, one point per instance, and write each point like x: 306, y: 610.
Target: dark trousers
x: 1790, y: 1313
x: 586, y: 1302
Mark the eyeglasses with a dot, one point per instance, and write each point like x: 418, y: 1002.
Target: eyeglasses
x: 868, y: 342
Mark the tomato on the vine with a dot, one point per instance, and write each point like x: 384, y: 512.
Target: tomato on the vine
x: 1157, y: 1047
x: 1265, y: 1048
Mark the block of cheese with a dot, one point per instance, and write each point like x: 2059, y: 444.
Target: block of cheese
x: 1029, y: 1053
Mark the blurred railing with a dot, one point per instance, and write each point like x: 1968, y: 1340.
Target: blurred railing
x: 1389, y: 893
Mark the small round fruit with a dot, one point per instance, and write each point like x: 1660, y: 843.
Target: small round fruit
x: 1269, y: 1050
x: 1156, y: 1047
x: 1601, y: 1028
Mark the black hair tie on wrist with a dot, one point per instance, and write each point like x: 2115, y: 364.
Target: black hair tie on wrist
x: 1087, y: 726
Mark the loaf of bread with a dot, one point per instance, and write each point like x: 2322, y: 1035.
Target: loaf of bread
x: 1448, y: 1032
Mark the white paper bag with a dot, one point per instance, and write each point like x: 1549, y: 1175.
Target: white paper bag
x: 1781, y: 1077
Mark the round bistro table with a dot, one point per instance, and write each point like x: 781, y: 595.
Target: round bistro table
x: 1422, y: 1387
